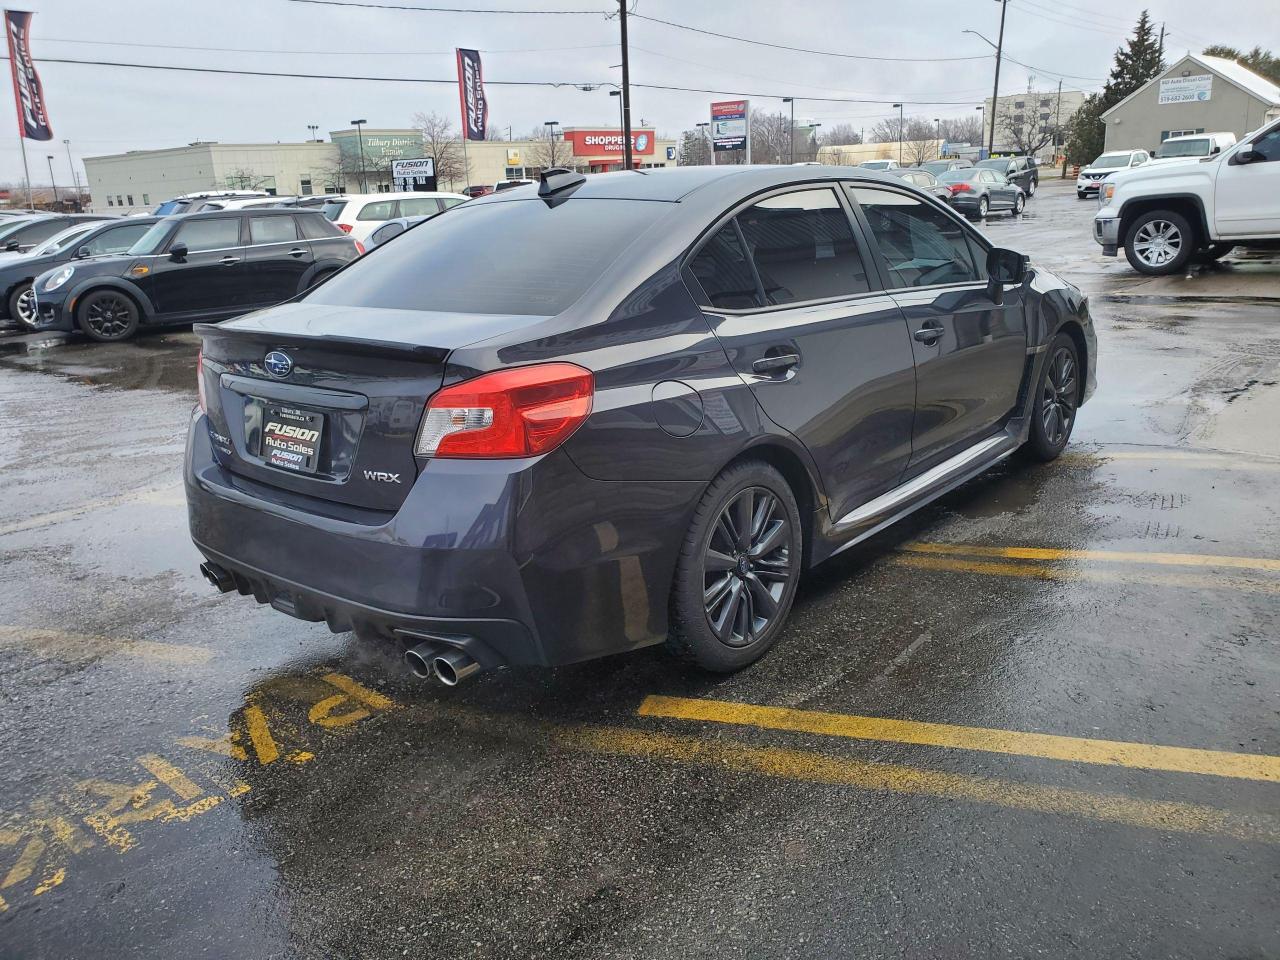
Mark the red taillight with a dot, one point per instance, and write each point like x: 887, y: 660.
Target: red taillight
x: 960, y: 188
x: 344, y: 227
x: 204, y: 407
x: 519, y: 412
x: 359, y: 248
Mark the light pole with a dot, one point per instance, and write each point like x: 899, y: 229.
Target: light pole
x: 626, y: 86
x: 75, y: 177
x: 901, y: 132
x: 791, y: 130
x: 52, y: 179
x: 982, y: 130
x: 551, y: 137
x: 359, y: 125
x: 711, y: 148
x: 311, y: 129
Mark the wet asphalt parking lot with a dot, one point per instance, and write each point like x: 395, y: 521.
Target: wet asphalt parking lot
x: 1040, y: 718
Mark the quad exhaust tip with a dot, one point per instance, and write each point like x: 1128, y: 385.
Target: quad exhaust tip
x: 447, y: 665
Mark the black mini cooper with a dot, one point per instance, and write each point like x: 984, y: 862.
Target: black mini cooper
x: 581, y: 417
x: 201, y: 266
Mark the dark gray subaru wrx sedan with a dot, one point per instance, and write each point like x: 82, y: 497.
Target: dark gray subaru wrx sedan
x: 598, y: 413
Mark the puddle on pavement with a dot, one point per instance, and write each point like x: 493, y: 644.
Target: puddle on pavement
x: 159, y: 361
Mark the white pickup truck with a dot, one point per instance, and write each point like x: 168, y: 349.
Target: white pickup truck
x: 1164, y: 214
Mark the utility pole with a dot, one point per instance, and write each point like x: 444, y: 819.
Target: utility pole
x: 75, y: 177
x: 52, y: 178
x: 359, y: 125
x: 1160, y: 55
x: 1057, y: 120
x: 995, y: 89
x: 626, y: 87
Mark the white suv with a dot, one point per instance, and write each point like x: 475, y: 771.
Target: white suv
x: 1166, y: 213
x: 1091, y: 177
x: 359, y: 214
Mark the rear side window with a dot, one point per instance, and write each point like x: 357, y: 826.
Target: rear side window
x: 272, y: 230
x: 117, y: 239
x: 315, y: 227
x: 721, y: 267
x: 41, y: 230
x: 447, y: 202
x: 378, y: 210
x: 209, y: 234
x: 803, y: 247
x: 332, y: 209
x: 921, y: 245
x: 517, y: 257
x: 385, y: 233
x: 416, y: 207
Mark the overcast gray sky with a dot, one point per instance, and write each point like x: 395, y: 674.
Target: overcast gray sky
x: 111, y: 109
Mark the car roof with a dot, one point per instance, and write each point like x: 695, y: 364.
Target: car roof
x: 246, y: 212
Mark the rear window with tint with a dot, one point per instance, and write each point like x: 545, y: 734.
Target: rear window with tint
x: 333, y: 208
x: 315, y: 227
x: 520, y: 257
x: 378, y: 210
x: 416, y: 207
x: 271, y: 230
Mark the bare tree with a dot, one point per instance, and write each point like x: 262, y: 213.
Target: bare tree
x: 695, y: 148
x: 920, y: 141
x: 242, y: 178
x: 841, y: 135
x: 548, y: 150
x: 441, y: 144
x: 1024, y: 132
x: 769, y: 133
x: 886, y: 131
x: 962, y: 130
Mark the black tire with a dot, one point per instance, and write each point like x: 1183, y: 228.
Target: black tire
x: 21, y: 302
x: 1057, y: 399
x: 1215, y: 251
x: 1081, y: 196
x: 981, y: 213
x: 747, y: 582
x: 1159, y: 243
x: 108, y: 316
x: 1018, y: 203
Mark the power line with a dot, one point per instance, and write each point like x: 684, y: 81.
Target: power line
x: 1107, y: 31
x: 329, y: 53
x: 398, y: 6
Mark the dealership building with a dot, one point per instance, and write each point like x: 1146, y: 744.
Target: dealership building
x: 352, y: 160
x: 1198, y: 94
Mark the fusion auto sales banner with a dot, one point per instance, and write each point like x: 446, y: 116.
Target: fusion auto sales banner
x: 33, y: 117
x: 475, y: 108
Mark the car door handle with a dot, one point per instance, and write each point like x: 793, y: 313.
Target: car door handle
x: 228, y: 261
x: 772, y: 364
x: 296, y: 252
x: 929, y: 335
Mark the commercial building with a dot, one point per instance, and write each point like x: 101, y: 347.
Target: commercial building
x: 353, y: 160
x: 1198, y: 94
x: 1023, y: 120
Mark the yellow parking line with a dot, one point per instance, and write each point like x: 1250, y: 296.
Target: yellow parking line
x: 1102, y: 556
x: 1245, y: 766
x: 166, y: 496
x: 1094, y: 574
x: 1190, y: 458
x: 896, y: 778
x: 71, y: 647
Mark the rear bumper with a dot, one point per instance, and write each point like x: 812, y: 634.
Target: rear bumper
x: 520, y: 562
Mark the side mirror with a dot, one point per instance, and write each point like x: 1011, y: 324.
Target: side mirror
x: 1247, y: 155
x: 83, y: 253
x: 178, y: 251
x: 1004, y: 266
x: 1216, y: 149
x: 12, y: 245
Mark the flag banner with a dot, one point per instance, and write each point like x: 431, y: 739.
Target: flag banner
x: 475, y: 108
x: 33, y: 117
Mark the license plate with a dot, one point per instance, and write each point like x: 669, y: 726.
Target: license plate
x: 291, y: 437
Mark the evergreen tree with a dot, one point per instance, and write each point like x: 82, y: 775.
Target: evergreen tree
x: 1086, y: 132
x: 1261, y: 62
x: 1136, y: 63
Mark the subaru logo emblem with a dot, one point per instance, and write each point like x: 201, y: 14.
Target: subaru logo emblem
x: 278, y: 363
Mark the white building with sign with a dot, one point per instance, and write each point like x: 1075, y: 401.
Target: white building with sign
x: 1198, y: 94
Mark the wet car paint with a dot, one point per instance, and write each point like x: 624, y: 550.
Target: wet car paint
x: 539, y: 813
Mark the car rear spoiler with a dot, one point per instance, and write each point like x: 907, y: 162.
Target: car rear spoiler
x: 355, y: 345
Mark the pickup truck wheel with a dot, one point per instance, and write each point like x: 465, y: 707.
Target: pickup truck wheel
x: 737, y: 571
x: 1159, y: 242
x: 1215, y: 251
x: 1057, y: 397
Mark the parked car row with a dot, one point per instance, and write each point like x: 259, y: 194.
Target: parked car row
x: 153, y: 271
x: 999, y: 183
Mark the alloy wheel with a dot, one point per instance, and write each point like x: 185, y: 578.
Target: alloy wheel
x: 1157, y: 242
x: 982, y: 208
x: 26, y: 306
x: 1058, y: 401
x: 746, y: 566
x: 108, y: 315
